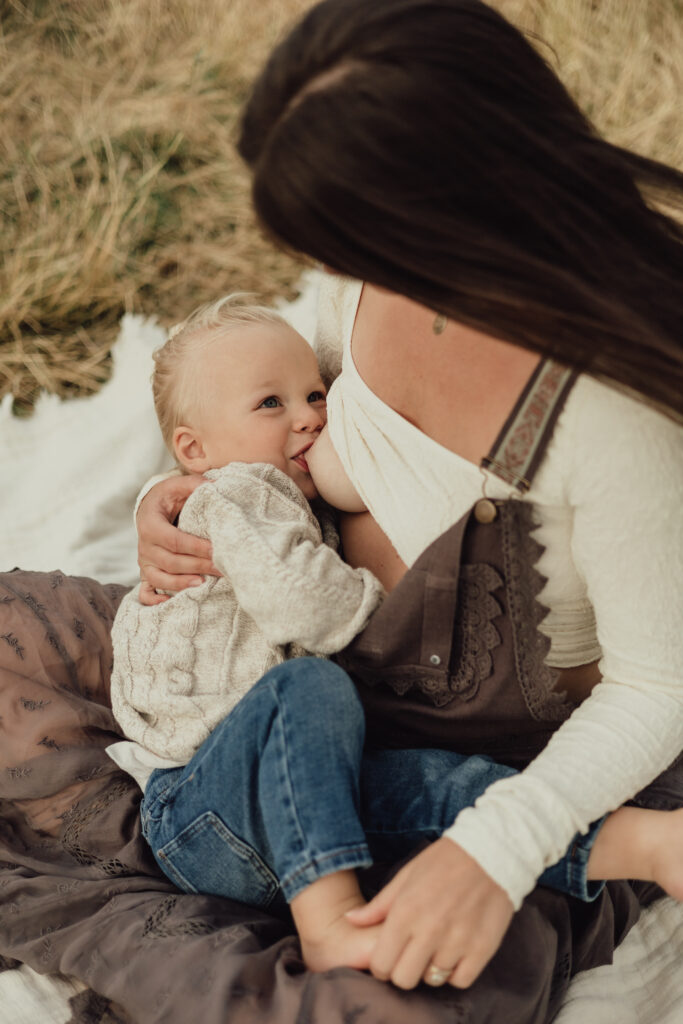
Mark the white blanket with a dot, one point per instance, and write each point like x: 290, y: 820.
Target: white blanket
x: 70, y: 476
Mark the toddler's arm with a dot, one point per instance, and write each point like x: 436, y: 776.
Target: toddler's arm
x: 268, y: 543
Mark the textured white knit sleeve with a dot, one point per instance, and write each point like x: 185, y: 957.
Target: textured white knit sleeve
x: 268, y: 543
x: 624, y: 482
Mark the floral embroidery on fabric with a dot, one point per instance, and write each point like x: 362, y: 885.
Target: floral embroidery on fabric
x: 516, y: 449
x: 157, y: 924
x: 78, y: 817
x: 13, y: 642
x: 97, y: 608
x: 52, y: 634
x: 33, y: 705
x: 34, y: 605
x: 48, y: 742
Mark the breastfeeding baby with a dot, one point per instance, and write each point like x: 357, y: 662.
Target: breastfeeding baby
x: 247, y: 741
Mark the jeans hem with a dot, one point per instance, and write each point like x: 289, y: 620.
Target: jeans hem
x: 343, y: 859
x: 577, y: 865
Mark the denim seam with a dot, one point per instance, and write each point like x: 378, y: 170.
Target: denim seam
x: 282, y: 722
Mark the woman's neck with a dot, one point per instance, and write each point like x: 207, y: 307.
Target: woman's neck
x: 457, y: 386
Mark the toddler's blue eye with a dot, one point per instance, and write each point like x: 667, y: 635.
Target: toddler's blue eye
x: 317, y: 396
x: 270, y: 403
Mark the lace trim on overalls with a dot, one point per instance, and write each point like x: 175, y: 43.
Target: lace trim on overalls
x: 521, y: 553
x: 475, y: 634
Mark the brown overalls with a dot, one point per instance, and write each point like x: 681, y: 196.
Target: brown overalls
x: 453, y: 658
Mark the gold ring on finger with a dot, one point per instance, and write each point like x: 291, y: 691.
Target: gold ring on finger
x: 437, y: 975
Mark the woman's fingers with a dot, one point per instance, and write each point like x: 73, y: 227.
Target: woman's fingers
x: 170, y: 559
x: 377, y: 909
x: 148, y: 595
x: 387, y: 953
x: 445, y: 911
x: 468, y: 970
x: 187, y: 563
x: 413, y: 964
x: 173, y: 560
x: 163, y: 581
x: 159, y: 537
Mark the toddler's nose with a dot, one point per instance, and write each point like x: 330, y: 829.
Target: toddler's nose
x: 310, y: 418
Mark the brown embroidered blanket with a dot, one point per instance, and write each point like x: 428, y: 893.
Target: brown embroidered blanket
x: 80, y: 894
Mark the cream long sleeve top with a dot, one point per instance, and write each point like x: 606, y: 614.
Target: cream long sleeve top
x: 180, y: 667
x: 609, y: 502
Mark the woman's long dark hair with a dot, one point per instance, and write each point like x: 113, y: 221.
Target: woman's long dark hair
x: 426, y: 147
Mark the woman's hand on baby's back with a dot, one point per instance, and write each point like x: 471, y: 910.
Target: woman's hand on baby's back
x: 441, y: 910
x: 169, y: 559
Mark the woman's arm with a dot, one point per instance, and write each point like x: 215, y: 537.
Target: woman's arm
x: 624, y: 480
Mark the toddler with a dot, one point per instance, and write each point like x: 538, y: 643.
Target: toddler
x: 250, y: 753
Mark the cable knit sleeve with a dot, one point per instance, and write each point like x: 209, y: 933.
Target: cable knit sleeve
x: 268, y: 543
x: 623, y: 479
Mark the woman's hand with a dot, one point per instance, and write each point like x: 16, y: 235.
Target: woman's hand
x: 168, y: 558
x: 441, y: 910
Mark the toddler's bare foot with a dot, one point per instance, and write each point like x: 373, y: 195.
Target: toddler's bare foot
x: 341, y: 944
x: 667, y: 843
x: 641, y: 843
x: 327, y: 939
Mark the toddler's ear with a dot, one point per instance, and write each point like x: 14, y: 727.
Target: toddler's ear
x: 189, y: 450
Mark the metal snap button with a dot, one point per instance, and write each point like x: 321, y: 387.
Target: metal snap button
x: 485, y: 511
x: 435, y: 659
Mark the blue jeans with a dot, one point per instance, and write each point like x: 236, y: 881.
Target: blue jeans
x: 283, y: 792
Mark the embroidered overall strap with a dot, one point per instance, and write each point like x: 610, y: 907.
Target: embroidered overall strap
x: 519, y: 447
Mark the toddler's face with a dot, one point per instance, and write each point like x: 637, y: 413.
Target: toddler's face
x: 262, y: 400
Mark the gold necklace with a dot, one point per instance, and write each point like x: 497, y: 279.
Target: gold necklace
x: 439, y: 325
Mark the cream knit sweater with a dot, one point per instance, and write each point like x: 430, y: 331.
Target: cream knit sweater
x: 181, y: 666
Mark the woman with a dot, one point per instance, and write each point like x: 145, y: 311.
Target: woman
x: 424, y: 148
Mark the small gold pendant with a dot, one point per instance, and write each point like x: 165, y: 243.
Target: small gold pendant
x: 439, y: 325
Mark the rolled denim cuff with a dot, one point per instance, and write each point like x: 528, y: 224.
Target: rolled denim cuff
x: 347, y: 858
x: 569, y: 874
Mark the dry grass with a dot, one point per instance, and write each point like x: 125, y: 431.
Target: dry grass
x: 119, y: 186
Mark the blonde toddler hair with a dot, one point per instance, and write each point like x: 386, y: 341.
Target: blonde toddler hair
x: 174, y: 386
